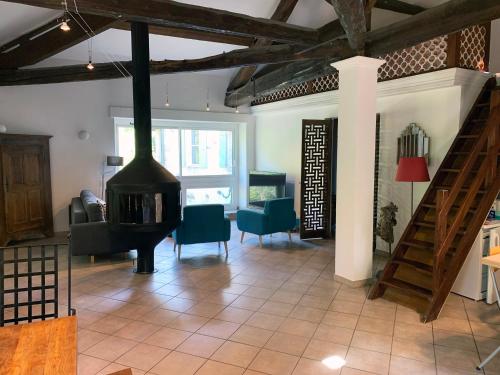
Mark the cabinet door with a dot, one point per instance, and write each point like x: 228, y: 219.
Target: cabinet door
x: 23, y: 181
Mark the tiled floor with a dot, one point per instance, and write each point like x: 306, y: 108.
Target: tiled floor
x: 274, y: 310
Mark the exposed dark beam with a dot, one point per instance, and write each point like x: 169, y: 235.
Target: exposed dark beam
x: 192, y: 34
x: 48, y: 40
x: 399, y: 6
x: 187, y: 16
x: 282, y: 12
x: 441, y: 20
x: 241, y: 57
x: 352, y: 18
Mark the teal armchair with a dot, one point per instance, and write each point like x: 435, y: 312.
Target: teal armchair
x: 200, y: 224
x: 278, y: 216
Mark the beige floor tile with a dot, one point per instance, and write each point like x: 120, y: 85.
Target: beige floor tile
x: 347, y: 295
x: 337, y: 335
x: 206, y: 309
x: 186, y: 322
x: 88, y: 365
x: 251, y: 335
x: 220, y: 298
x: 159, y: 316
x: 308, y: 367
x: 248, y: 303
x: 168, y: 338
x: 453, y: 325
x: 455, y: 371
x: 179, y: 304
x: 178, y: 364
x: 252, y: 372
x: 367, y: 360
x: 88, y: 338
x: 200, y: 345
x: 316, y: 302
x: 410, y: 367
x: 277, y: 308
x: 346, y: 307
x: 319, y: 350
x: 485, y: 330
x: 307, y: 313
x: 406, y: 315
x: 218, y: 328
x: 379, y: 312
x: 137, y: 331
x: 413, y: 332
x: 454, y: 358
x: 353, y: 371
x: 236, y: 354
x: 114, y: 367
x: 286, y: 297
x: 109, y: 324
x: 454, y: 340
x: 143, y: 357
x: 217, y: 368
x: 338, y: 319
x: 418, y: 350
x: 380, y: 326
x: 132, y: 310
x: 298, y: 327
x: 234, y: 315
x: 274, y: 363
x: 258, y: 292
x: 266, y: 321
x: 285, y: 343
x: 372, y: 341
x: 110, y: 348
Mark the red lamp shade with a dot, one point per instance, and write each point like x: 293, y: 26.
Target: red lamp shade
x: 412, y: 170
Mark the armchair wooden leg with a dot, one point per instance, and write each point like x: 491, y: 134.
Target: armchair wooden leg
x: 260, y: 240
x: 175, y: 246
x: 92, y: 259
x: 242, y: 235
x: 225, y: 248
x: 179, y: 252
x: 290, y: 236
x: 218, y: 243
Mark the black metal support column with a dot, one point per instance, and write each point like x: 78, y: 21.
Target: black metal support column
x: 141, y: 90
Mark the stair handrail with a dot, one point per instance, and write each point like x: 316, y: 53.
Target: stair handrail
x: 445, y: 234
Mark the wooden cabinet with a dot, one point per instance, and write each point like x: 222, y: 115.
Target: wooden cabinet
x: 25, y: 196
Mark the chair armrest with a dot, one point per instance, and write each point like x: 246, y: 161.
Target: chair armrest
x: 251, y: 221
x: 90, y: 238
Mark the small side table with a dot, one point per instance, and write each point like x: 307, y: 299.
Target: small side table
x: 493, y: 263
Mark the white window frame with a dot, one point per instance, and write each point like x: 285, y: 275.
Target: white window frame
x: 193, y: 182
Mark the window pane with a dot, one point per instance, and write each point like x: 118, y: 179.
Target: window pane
x: 207, y: 152
x: 171, y: 150
x: 221, y: 195
x: 126, y: 143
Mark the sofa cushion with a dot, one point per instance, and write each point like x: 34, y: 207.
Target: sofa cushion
x: 94, y: 206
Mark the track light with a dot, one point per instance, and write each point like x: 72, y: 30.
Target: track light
x: 167, y: 104
x: 90, y: 66
x: 208, y: 100
x: 64, y: 26
x: 237, y: 110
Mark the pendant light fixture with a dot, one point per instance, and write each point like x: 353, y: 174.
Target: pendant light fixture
x: 237, y: 110
x: 64, y: 24
x: 208, y: 100
x: 90, y: 66
x: 167, y: 104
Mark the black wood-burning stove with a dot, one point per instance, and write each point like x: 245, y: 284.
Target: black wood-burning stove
x: 143, y: 199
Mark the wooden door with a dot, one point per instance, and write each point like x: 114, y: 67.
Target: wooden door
x: 24, y: 188
x: 316, y: 179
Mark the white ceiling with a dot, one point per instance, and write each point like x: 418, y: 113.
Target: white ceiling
x: 16, y: 19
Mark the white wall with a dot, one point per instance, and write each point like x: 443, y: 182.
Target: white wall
x: 432, y: 100
x: 62, y: 110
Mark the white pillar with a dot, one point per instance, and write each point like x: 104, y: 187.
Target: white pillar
x: 355, y: 168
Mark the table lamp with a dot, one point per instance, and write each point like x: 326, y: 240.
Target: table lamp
x: 412, y: 170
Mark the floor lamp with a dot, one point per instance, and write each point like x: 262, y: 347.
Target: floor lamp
x: 111, y: 161
x: 412, y: 170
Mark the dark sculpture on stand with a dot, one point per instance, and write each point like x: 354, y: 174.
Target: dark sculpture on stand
x: 143, y: 199
x: 386, y: 224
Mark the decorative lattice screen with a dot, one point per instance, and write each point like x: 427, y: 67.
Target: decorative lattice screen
x: 422, y: 58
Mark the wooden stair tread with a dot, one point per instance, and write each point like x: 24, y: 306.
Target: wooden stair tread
x: 419, y: 244
x: 403, y: 285
x: 468, y: 136
x: 415, y: 264
x: 455, y: 170
x: 465, y: 189
x: 431, y: 224
x: 455, y: 206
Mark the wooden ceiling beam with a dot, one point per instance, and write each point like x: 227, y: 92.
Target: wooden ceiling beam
x: 192, y: 34
x: 241, y: 57
x: 242, y: 76
x: 48, y: 40
x: 352, y: 18
x: 186, y: 16
x: 399, y: 7
x: 444, y: 19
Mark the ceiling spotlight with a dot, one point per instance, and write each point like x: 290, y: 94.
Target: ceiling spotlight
x: 64, y: 26
x: 237, y: 110
x: 167, y: 104
x: 208, y: 100
x: 90, y: 66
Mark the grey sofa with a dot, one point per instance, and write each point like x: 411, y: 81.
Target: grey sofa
x: 90, y: 234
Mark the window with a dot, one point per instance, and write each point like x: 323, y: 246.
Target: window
x: 199, y: 154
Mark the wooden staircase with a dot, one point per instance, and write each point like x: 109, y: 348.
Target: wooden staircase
x: 431, y: 251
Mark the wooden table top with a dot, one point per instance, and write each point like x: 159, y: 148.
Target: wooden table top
x: 492, y: 261
x: 41, y: 348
